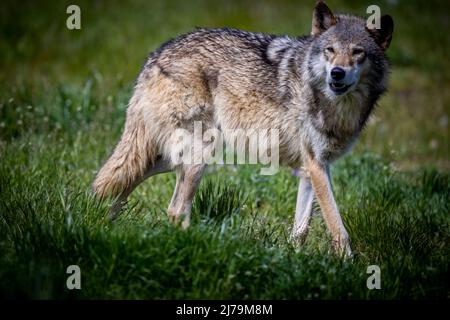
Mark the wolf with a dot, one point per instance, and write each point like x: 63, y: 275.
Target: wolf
x: 316, y: 90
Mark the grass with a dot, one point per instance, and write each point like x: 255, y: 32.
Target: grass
x: 62, y: 109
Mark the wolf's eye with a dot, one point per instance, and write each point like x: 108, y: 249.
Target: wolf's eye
x: 357, y: 51
x: 329, y: 50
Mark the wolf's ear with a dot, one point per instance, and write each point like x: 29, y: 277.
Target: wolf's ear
x: 383, y: 36
x: 323, y: 18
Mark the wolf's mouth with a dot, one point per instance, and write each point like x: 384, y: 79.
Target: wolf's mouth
x: 338, y: 87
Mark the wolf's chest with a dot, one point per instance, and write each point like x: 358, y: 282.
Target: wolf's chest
x: 334, y: 129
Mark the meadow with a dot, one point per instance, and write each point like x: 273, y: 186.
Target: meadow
x: 63, y: 97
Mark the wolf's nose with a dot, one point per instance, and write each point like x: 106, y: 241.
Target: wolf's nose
x: 337, y: 73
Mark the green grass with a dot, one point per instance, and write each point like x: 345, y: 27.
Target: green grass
x: 237, y: 246
x: 62, y: 105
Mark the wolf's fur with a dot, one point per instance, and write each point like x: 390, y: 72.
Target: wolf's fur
x: 230, y: 79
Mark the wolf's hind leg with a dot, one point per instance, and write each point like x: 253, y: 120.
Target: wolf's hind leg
x: 171, y: 210
x: 303, y: 210
x: 160, y: 166
x: 188, y: 180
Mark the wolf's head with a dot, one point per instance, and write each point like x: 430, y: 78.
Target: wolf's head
x: 347, y: 57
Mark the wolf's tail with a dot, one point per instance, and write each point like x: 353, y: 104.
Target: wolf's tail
x: 131, y: 158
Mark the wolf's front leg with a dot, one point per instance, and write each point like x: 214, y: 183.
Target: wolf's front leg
x: 321, y: 183
x: 303, y: 209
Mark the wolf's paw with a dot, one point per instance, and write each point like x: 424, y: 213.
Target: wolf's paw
x: 297, y: 238
x: 342, y: 247
x: 182, y: 220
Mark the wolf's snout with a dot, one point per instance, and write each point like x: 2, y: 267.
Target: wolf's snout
x: 337, y: 73
x: 341, y: 80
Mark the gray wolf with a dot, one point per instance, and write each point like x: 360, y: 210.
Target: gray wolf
x: 317, y: 91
